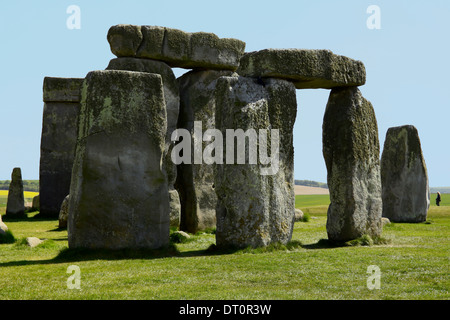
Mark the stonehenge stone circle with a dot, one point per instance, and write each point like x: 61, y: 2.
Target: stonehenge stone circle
x: 58, y: 140
x: 119, y: 195
x: 107, y: 140
x: 308, y: 69
x: 404, y: 178
x: 15, y: 206
x: 255, y: 209
x: 351, y: 151
x: 196, y: 181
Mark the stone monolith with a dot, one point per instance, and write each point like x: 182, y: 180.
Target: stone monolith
x: 119, y: 195
x: 351, y: 151
x: 58, y: 140
x: 255, y: 198
x: 15, y: 206
x: 404, y: 178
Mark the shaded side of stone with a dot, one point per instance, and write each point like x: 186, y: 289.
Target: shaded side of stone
x: 119, y: 195
x: 195, y: 182
x: 58, y: 141
x: 172, y: 99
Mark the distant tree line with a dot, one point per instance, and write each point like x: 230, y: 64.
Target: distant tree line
x: 28, y: 185
x: 310, y: 183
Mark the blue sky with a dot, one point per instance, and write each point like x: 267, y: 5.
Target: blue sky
x: 407, y: 62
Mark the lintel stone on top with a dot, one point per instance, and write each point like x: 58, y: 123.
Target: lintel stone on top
x: 177, y: 48
x: 308, y: 69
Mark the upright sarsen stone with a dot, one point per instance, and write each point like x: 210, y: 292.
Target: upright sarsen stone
x: 195, y: 182
x: 59, y: 132
x: 256, y: 207
x: 172, y: 99
x: 119, y: 194
x: 351, y: 151
x: 15, y: 206
x: 404, y: 178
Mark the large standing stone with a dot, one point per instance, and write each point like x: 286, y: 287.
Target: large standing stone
x: 175, y: 47
x: 15, y: 206
x: 172, y: 99
x: 308, y: 69
x: 64, y: 213
x: 404, y: 178
x: 351, y: 151
x: 196, y: 181
x: 256, y: 207
x: 58, y: 140
x: 119, y: 194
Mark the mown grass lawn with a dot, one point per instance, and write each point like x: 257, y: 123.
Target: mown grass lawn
x: 414, y: 265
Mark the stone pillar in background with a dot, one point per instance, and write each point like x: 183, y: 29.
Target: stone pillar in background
x: 172, y: 99
x: 351, y: 151
x: 15, y: 206
x: 404, y: 178
x: 58, y: 140
x: 195, y: 182
x: 255, y: 209
x: 119, y: 195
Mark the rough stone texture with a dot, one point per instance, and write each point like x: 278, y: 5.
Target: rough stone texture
x: 172, y: 99
x: 175, y: 47
x: 119, y: 195
x: 404, y: 178
x: 255, y: 209
x: 33, y: 241
x: 15, y: 206
x: 64, y: 213
x: 298, y: 215
x: 124, y: 39
x: 195, y: 182
x: 308, y: 69
x: 351, y: 151
x: 385, y: 221
x: 58, y: 141
x: 35, y: 205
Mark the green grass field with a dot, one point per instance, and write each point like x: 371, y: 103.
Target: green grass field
x: 414, y: 264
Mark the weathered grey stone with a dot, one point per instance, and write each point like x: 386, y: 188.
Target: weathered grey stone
x: 175, y: 208
x: 119, y: 194
x: 124, y: 39
x: 195, y: 182
x: 351, y: 151
x: 64, y: 213
x: 3, y: 226
x: 385, y: 221
x: 35, y: 205
x: 15, y: 206
x: 33, y: 241
x: 298, y: 215
x: 308, y: 69
x: 256, y: 208
x: 178, y: 48
x: 404, y: 178
x: 62, y: 89
x: 58, y: 141
x: 172, y: 99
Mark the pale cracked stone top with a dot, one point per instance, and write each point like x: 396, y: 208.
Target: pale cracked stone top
x: 308, y: 69
x: 177, y: 48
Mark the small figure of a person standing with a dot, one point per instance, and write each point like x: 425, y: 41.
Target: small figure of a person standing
x: 438, y: 199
